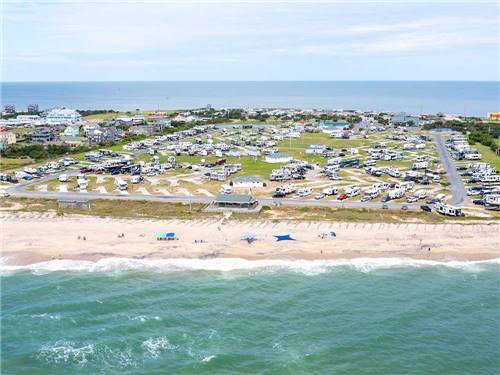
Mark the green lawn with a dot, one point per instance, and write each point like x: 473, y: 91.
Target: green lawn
x: 488, y: 155
x: 8, y: 163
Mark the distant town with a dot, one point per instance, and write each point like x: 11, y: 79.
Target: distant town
x: 247, y: 160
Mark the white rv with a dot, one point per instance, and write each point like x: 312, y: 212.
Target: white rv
x: 63, y: 178
x: 330, y: 191
x: 352, y: 191
x: 304, y: 192
x: 420, y: 165
x: 396, y: 193
x: 82, y: 183
x: 492, y: 201
x: 448, y: 210
x: 121, y: 184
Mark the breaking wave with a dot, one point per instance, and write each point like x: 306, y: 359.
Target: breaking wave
x: 308, y: 267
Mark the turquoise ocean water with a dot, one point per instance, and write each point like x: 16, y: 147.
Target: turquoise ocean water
x: 226, y: 317
x: 471, y: 98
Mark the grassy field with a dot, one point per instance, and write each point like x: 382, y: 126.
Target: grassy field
x: 488, y: 155
x: 7, y: 164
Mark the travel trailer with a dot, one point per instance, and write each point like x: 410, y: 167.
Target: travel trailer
x: 330, y: 191
x: 352, y: 191
x: 304, y: 192
x: 448, y: 210
x: 82, y: 183
x: 121, y: 184
x: 492, y: 202
x: 136, y: 179
x: 63, y: 178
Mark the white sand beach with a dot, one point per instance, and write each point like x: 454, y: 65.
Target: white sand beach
x: 29, y: 237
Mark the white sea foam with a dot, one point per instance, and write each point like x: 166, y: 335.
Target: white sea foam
x: 208, y: 358
x: 65, y: 352
x: 154, y: 346
x: 47, y: 316
x: 308, y: 267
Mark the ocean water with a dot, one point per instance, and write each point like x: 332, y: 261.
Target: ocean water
x: 121, y: 316
x: 471, y: 98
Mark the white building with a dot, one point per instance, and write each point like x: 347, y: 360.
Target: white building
x: 278, y: 157
x: 248, y: 182
x: 62, y: 116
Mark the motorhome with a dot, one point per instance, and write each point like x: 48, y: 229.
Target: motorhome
x: 121, y: 184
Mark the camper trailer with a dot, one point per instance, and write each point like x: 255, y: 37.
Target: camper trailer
x: 121, y: 184
x: 448, y: 210
x: 330, y: 191
x: 396, y: 193
x: 304, y: 192
x: 492, y: 202
x: 136, y: 179
x: 352, y: 191
x: 63, y: 178
x: 420, y: 165
x: 82, y: 183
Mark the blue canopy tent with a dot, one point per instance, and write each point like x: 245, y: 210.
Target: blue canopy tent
x: 285, y: 237
x: 160, y: 235
x: 165, y: 236
x: 249, y: 237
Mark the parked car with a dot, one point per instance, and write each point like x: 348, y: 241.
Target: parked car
x: 405, y: 207
x: 342, y: 197
x: 479, y: 202
x: 425, y: 208
x: 385, y: 206
x: 319, y: 196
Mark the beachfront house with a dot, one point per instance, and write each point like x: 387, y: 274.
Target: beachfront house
x: 72, y: 131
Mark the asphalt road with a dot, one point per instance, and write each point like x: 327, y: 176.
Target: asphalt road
x: 456, y: 184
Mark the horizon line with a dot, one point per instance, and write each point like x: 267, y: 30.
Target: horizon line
x: 256, y: 81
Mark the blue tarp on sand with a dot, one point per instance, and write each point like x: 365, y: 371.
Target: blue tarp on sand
x: 285, y: 237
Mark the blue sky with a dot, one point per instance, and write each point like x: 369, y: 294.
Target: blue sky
x: 258, y: 40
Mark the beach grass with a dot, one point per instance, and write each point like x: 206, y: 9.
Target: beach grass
x: 183, y: 211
